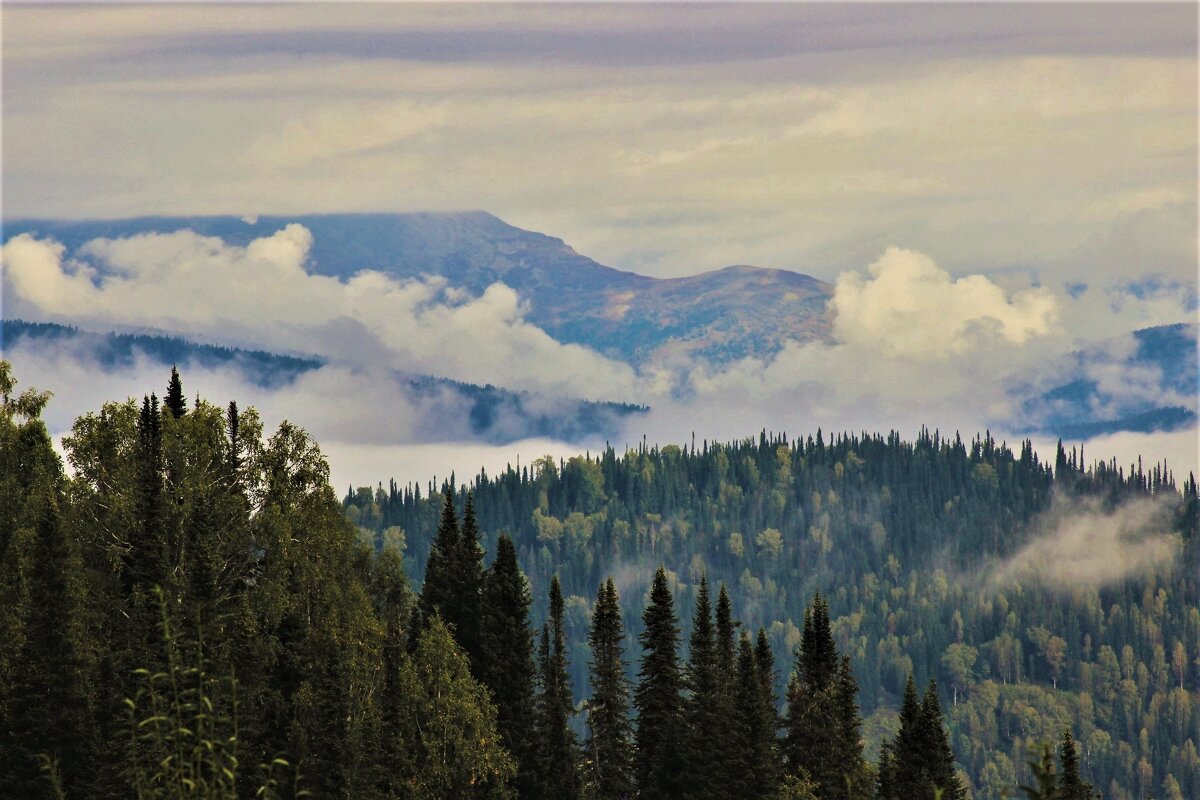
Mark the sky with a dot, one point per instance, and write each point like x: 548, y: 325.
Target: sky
x: 987, y: 187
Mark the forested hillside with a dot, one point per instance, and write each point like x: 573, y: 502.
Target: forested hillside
x: 190, y: 612
x: 919, y: 548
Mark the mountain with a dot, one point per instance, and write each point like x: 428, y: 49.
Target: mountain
x: 1155, y: 388
x: 721, y: 315
x: 450, y: 410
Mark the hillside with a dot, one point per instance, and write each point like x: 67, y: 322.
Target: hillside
x: 1022, y: 587
x: 722, y: 315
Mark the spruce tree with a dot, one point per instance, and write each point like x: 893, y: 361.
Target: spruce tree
x: 609, y: 746
x: 658, y: 760
x: 48, y: 712
x: 903, y: 770
x: 702, y: 710
x: 1072, y: 786
x: 939, y: 757
x: 560, y: 759
x: 726, y: 641
x: 438, y: 590
x: 174, y: 402
x: 822, y: 719
x: 506, y: 666
x: 465, y: 613
x: 753, y: 723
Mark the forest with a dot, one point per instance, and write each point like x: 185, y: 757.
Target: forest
x: 187, y: 609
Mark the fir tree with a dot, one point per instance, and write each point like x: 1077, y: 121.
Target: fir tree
x: 660, y: 724
x: 559, y: 767
x: 939, y: 758
x: 438, y: 590
x: 507, y: 666
x: 174, y: 402
x: 822, y: 719
x: 702, y: 771
x: 465, y: 613
x: 609, y: 746
x: 726, y: 650
x: 754, y: 747
x: 1072, y: 786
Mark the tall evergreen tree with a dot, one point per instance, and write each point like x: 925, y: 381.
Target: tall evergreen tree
x: 507, y: 668
x: 939, y: 758
x: 438, y: 590
x: 174, y: 402
x: 754, y: 746
x: 609, y: 746
x: 1072, y: 786
x: 660, y: 730
x: 560, y: 757
x: 726, y: 640
x: 702, y: 771
x: 465, y: 613
x: 822, y: 718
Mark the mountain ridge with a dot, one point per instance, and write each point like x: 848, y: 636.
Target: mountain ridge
x: 722, y: 314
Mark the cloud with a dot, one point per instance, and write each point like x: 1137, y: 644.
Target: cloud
x: 808, y: 136
x: 1082, y: 544
x: 261, y: 293
x: 910, y: 307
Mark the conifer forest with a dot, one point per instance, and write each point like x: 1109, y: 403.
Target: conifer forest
x: 188, y: 609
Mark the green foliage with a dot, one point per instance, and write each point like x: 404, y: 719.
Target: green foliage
x: 609, y: 746
x: 659, y: 756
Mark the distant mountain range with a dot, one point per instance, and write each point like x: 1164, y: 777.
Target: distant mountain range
x: 722, y: 315
x: 456, y: 410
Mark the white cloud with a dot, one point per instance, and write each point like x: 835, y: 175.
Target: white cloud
x: 202, y: 287
x: 1080, y: 543
x: 910, y: 307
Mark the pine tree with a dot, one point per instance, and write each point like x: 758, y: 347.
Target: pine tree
x: 753, y: 745
x: 702, y: 772
x: 609, y: 746
x: 465, y: 613
x: 560, y: 759
x: 438, y: 590
x: 48, y: 711
x: 174, y: 402
x: 939, y: 757
x: 658, y: 761
x: 822, y: 719
x: 903, y: 774
x: 1072, y: 786
x: 726, y: 645
x: 507, y: 667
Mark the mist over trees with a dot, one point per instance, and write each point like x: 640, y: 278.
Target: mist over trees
x: 192, y: 612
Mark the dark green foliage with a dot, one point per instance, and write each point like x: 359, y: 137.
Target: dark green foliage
x: 754, y: 723
x: 708, y: 771
x: 823, y: 722
x: 918, y: 763
x: 438, y: 590
x: 174, y: 402
x: 1072, y: 786
x: 507, y: 667
x: 609, y: 746
x: 659, y: 758
x: 556, y: 740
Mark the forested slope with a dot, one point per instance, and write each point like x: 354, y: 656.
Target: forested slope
x: 918, y: 546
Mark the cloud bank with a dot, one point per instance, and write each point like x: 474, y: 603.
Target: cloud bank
x: 202, y: 287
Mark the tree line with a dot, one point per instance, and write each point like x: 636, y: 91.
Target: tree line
x: 190, y: 613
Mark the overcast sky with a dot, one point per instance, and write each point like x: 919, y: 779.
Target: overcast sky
x: 958, y: 172
x: 669, y: 139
